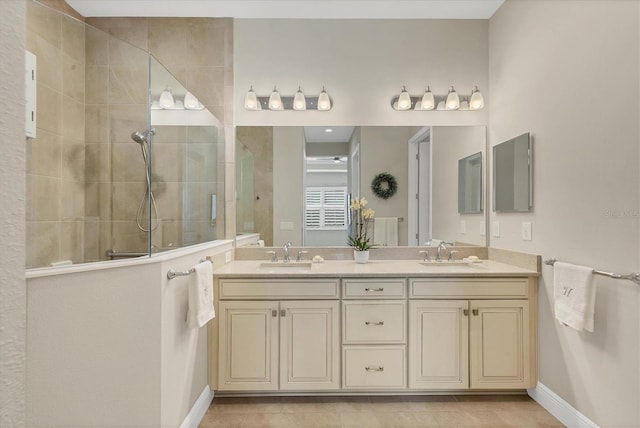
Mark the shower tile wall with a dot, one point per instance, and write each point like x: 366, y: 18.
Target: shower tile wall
x: 55, y: 159
x: 198, y: 53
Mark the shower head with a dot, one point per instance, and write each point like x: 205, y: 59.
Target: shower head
x: 142, y: 137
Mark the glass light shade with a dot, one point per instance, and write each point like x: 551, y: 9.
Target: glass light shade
x: 428, y: 102
x: 324, y: 102
x: 453, y: 100
x: 166, y: 99
x: 477, y: 100
x: 275, y: 102
x: 404, y: 100
x: 251, y: 101
x: 299, y: 101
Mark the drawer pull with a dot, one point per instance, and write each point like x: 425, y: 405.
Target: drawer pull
x: 374, y: 323
x: 374, y: 368
x: 283, y: 312
x: 374, y: 289
x: 274, y: 312
x: 465, y: 312
x: 474, y: 311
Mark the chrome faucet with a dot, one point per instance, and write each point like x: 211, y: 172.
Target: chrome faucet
x: 426, y: 255
x: 441, y: 247
x: 285, y: 249
x: 451, y: 255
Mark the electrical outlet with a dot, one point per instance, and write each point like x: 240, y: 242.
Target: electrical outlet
x: 463, y: 226
x: 483, y: 228
x: 495, y: 229
x: 526, y: 231
x: 227, y: 257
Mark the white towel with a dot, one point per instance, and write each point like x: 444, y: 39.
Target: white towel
x: 201, y: 295
x: 385, y: 231
x: 575, y: 295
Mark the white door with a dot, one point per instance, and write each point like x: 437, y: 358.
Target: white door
x: 438, y: 344
x: 248, y: 346
x: 419, y: 187
x: 499, y: 344
x: 309, y: 345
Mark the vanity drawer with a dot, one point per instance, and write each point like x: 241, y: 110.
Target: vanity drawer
x: 374, y: 367
x: 276, y: 289
x: 374, y: 288
x: 374, y: 322
x: 469, y: 288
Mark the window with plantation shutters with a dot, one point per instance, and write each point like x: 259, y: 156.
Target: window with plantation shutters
x: 326, y: 208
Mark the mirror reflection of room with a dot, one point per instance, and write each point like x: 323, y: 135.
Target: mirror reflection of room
x: 295, y: 183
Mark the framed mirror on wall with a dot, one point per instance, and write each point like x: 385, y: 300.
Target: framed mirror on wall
x: 301, y: 179
x: 513, y: 175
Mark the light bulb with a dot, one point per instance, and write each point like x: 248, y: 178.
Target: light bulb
x: 250, y: 100
x: 453, y: 101
x: 477, y: 100
x: 404, y: 100
x: 299, y: 101
x: 275, y: 102
x: 324, y: 102
x: 428, y: 102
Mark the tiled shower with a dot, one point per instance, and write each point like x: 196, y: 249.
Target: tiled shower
x: 85, y: 175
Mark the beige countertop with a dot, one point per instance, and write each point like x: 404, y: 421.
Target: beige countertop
x: 377, y: 268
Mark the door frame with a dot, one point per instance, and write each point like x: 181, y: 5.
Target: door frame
x: 413, y: 185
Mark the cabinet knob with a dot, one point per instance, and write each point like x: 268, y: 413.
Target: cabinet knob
x: 474, y: 312
x: 274, y: 312
x: 465, y: 312
x: 374, y: 323
x: 374, y: 289
x: 374, y: 368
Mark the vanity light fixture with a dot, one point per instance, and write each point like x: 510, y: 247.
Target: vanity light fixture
x: 453, y: 100
x: 429, y: 101
x: 324, y: 102
x: 299, y: 101
x: 251, y: 101
x: 275, y: 102
x: 477, y: 100
x: 404, y: 100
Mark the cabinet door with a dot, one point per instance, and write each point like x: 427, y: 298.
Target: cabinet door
x: 248, y: 347
x: 499, y: 340
x: 309, y: 345
x: 438, y: 344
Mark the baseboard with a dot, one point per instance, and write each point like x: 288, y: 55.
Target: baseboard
x: 559, y: 408
x: 197, y: 412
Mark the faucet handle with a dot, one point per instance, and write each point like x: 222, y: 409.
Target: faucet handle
x: 274, y: 256
x: 426, y: 255
x: 451, y: 255
x: 300, y: 254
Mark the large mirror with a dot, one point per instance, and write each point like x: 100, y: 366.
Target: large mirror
x: 512, y: 175
x: 295, y: 183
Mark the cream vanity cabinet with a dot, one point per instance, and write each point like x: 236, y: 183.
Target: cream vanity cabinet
x: 472, y: 333
x: 374, y: 334
x: 278, y: 335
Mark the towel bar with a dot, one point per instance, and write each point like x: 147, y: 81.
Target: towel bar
x: 173, y: 273
x: 634, y: 276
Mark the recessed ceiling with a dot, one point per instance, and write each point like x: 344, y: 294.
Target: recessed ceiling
x: 319, y: 134
x: 292, y: 9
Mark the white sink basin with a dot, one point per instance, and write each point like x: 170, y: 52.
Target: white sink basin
x: 286, y: 265
x: 454, y: 264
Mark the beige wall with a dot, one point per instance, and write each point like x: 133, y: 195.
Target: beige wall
x: 12, y: 214
x: 567, y: 72
x: 363, y: 64
x: 385, y: 149
x: 288, y: 160
x: 450, y: 144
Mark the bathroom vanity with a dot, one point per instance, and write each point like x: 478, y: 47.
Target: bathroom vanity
x: 386, y: 326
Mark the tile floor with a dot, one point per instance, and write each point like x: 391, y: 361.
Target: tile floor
x: 371, y: 412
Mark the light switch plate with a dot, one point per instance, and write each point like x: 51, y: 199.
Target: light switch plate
x: 495, y: 229
x: 227, y: 257
x: 526, y: 231
x: 463, y: 226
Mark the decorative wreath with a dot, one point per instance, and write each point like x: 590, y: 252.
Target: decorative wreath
x: 384, y: 185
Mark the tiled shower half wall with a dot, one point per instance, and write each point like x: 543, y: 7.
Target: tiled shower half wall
x: 87, y: 194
